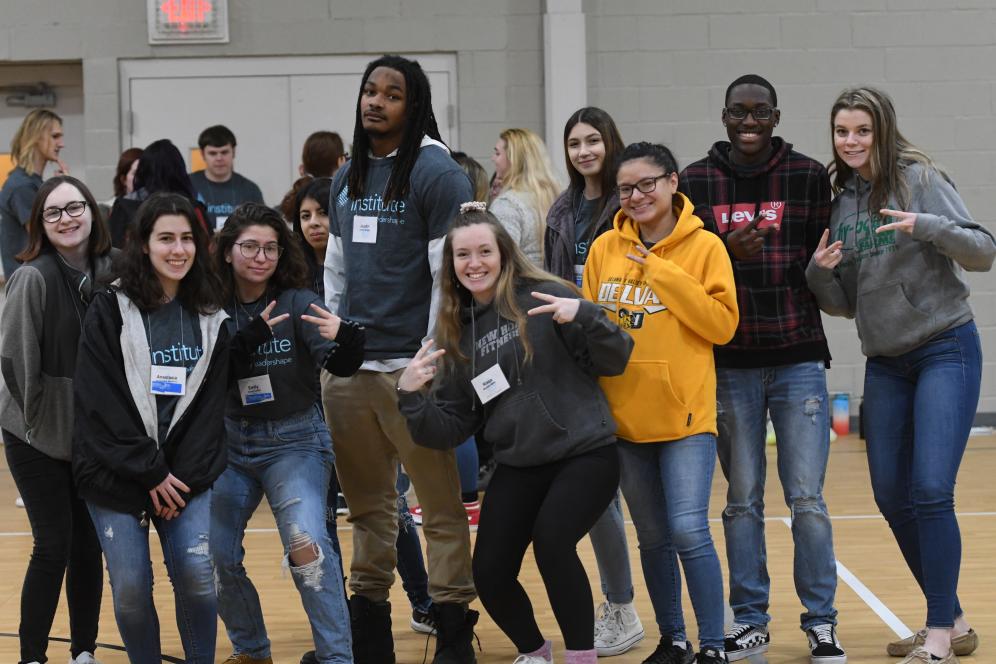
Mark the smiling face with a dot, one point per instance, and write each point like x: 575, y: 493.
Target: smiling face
x: 853, y: 139
x: 477, y: 260
x: 750, y: 138
x: 586, y: 150
x: 69, y: 235
x: 314, y: 225
x: 500, y: 158
x: 171, y: 250
x: 652, y: 208
x: 254, y: 271
x: 382, y: 106
x: 220, y: 162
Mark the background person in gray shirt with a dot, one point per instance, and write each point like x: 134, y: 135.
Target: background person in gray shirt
x: 221, y: 189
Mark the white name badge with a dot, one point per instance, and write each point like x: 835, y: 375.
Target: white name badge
x: 490, y: 384
x: 219, y: 221
x: 365, y: 230
x: 256, y: 389
x: 168, y: 381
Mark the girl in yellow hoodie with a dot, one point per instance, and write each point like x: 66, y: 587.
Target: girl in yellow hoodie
x: 669, y: 282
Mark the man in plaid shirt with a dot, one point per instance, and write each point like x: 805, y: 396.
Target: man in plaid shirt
x: 770, y: 205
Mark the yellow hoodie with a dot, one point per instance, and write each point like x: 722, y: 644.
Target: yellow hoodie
x: 676, y: 307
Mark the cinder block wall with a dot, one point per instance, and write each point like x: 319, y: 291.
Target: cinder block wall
x: 661, y: 69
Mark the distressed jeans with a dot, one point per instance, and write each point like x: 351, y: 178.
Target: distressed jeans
x: 186, y: 552
x: 796, y: 397
x: 919, y: 409
x: 289, y: 461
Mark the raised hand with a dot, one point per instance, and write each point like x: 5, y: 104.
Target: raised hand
x: 828, y: 257
x: 564, y: 309
x: 639, y: 254
x: 265, y: 315
x: 748, y: 240
x: 421, y: 369
x: 166, y: 499
x: 327, y: 322
x: 907, y: 220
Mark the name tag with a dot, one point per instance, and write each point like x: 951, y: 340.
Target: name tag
x: 219, y: 221
x: 578, y: 275
x: 490, y: 384
x: 256, y: 389
x: 365, y: 230
x: 168, y: 381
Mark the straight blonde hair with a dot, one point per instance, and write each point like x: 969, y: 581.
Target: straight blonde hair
x: 530, y: 171
x: 24, y: 145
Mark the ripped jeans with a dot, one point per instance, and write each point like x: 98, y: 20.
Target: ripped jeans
x: 125, y: 542
x: 796, y: 397
x: 288, y: 461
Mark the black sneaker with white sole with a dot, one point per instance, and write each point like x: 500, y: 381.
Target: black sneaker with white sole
x: 741, y: 641
x: 711, y: 656
x: 824, y: 646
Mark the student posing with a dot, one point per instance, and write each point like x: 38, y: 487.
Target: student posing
x: 532, y: 382
x: 901, y: 241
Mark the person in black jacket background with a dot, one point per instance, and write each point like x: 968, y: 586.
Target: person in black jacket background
x: 150, y: 388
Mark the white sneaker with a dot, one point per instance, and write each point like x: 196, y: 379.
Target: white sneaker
x: 531, y: 659
x: 617, y: 629
x: 84, y: 657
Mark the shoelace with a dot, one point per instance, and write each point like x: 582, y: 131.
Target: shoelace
x: 823, y: 633
x: 612, y: 623
x: 737, y: 630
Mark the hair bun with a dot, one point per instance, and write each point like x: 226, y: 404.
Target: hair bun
x: 473, y: 206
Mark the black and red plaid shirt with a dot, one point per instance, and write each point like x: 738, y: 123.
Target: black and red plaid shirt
x: 779, y: 318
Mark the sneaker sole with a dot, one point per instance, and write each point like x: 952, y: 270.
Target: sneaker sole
x: 420, y: 627
x: 737, y: 655
x: 620, y: 648
x: 833, y: 659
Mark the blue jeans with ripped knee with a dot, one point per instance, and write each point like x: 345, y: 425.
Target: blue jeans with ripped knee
x: 289, y: 461
x: 796, y: 397
x: 125, y: 541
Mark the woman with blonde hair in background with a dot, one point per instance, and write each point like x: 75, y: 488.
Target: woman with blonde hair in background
x: 528, y: 189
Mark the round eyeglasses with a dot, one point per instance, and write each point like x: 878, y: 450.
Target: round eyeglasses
x: 250, y: 250
x: 52, y: 215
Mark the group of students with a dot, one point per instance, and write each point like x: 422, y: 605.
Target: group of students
x: 619, y: 336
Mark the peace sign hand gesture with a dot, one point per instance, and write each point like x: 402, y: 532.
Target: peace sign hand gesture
x: 421, y: 369
x: 326, y: 321
x: 828, y: 257
x: 564, y: 309
x: 265, y: 315
x: 907, y: 220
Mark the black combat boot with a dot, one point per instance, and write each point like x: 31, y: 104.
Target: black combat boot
x: 454, y: 634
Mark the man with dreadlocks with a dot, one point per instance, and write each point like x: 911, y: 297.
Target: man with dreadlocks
x: 391, y: 207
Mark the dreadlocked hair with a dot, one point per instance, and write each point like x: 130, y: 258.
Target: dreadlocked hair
x: 516, y: 270
x: 419, y: 121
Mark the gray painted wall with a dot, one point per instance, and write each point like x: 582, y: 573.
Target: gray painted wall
x: 659, y: 66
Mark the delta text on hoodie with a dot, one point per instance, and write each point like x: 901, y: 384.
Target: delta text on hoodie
x: 676, y: 307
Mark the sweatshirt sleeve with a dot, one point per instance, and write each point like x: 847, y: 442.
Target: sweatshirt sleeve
x: 444, y: 417
x: 511, y: 216
x: 829, y: 291
x: 706, y: 304
x: 819, y: 209
x: 111, y: 434
x: 20, y: 339
x: 599, y: 346
x: 944, y: 221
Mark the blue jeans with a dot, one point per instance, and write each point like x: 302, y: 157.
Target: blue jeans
x: 919, y: 409
x: 667, y: 488
x: 411, y: 562
x: 288, y: 461
x: 185, y: 543
x: 796, y: 397
x: 608, y: 540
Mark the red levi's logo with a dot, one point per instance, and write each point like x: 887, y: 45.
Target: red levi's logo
x: 732, y: 217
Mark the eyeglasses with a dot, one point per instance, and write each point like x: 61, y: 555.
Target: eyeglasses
x: 646, y: 185
x: 52, y: 215
x: 759, y: 113
x: 251, y: 249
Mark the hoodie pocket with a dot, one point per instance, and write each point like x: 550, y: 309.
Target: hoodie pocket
x: 520, y: 418
x: 888, y: 323
x: 644, y: 403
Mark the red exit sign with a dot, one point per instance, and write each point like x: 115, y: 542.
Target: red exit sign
x: 188, y: 21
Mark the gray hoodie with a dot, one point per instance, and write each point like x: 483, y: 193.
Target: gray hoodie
x: 901, y: 289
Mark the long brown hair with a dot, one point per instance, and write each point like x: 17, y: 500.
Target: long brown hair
x: 99, y: 242
x: 891, y: 152
x: 603, y: 123
x: 516, y: 270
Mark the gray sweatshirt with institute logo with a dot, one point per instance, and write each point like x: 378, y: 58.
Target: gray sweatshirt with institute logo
x: 902, y: 289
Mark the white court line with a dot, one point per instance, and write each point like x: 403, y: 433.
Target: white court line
x: 869, y: 598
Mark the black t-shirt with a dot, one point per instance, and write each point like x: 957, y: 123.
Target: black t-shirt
x: 174, y: 336
x: 584, y: 217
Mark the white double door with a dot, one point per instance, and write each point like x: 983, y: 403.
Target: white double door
x: 271, y: 104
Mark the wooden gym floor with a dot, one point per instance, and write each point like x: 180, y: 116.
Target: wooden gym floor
x: 876, y: 598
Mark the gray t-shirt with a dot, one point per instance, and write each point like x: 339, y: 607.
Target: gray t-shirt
x: 221, y: 198
x: 16, y: 199
x: 174, y: 336
x: 584, y: 217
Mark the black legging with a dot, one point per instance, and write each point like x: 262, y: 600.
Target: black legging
x: 553, y: 506
x: 64, y: 544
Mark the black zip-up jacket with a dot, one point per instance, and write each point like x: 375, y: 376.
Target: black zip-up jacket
x: 115, y: 460
x: 554, y: 408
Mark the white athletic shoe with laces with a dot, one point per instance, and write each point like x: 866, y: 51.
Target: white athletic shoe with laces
x: 617, y: 628
x: 84, y: 657
x: 531, y: 659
